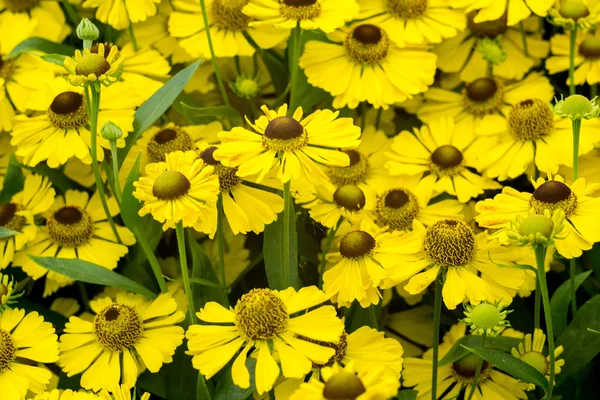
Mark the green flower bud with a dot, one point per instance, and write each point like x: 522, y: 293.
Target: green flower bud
x: 577, y: 107
x: 88, y: 32
x: 110, y: 131
x: 246, y: 87
x: 486, y: 318
x: 537, y: 224
x: 492, y: 51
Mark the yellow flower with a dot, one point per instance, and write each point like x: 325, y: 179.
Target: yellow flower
x: 180, y: 189
x: 412, y: 328
x: 25, y: 340
x: 295, y: 145
x: 453, y: 378
x: 91, y: 67
x: 227, y: 25
x: 18, y: 215
x: 65, y: 395
x: 578, y: 201
x: 61, y: 132
x: 582, y: 14
x: 443, y: 150
x: 361, y: 64
x: 118, y: 13
x: 122, y: 392
x: 414, y: 21
x: 76, y: 227
x: 452, y: 245
x: 65, y: 306
x: 459, y: 54
x: 125, y: 337
x: 344, y: 383
x: 262, y: 320
x: 531, y: 351
x: 515, y: 10
x: 587, y: 51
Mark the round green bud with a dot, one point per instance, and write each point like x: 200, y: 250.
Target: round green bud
x: 170, y: 185
x: 86, y: 30
x: 110, y: 131
x: 536, y: 360
x: 576, y: 105
x: 350, y: 197
x: 246, y: 87
x: 537, y: 224
x: 492, y: 51
x: 573, y: 10
x: 486, y: 316
x: 357, y: 244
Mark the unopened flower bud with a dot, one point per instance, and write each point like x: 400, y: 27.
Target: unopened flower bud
x: 110, y: 131
x: 577, y: 107
x: 88, y: 32
x: 492, y: 51
x: 246, y: 87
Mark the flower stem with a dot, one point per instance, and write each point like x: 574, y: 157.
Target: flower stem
x: 327, y: 245
x: 572, y: 287
x: 572, y: 43
x: 153, y: 263
x: 478, y: 370
x: 524, y: 38
x: 71, y: 13
x: 287, y: 203
x: 115, y: 170
x: 221, y: 247
x: 437, y: 313
x: 294, y: 61
x: 184, y: 271
x: 202, y: 392
x: 576, y: 129
x: 540, y: 256
x: 538, y: 304
x: 84, y: 296
x: 218, y: 74
x: 130, y: 29
x: 92, y: 99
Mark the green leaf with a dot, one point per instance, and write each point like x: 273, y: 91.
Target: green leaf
x: 512, y: 366
x: 580, y: 345
x: 516, y: 266
x: 227, y: 390
x: 57, y: 59
x: 14, y: 180
x: 181, y: 376
x: 561, y: 300
x: 88, y: 272
x: 202, y: 270
x: 130, y: 206
x: 457, y: 351
x: 407, y: 395
x: 4, y: 232
x: 225, y: 112
x: 156, y: 105
x: 205, y: 282
x: 153, y: 383
x: 43, y: 45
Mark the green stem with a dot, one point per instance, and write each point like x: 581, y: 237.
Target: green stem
x: 328, y: 240
x: 593, y: 90
x: 576, y: 129
x: 162, y: 283
x: 536, y: 171
x: 373, y: 317
x: 287, y: 203
x: 294, y: 61
x: 478, y: 370
x: 130, y: 29
x: 573, y: 289
x: 202, y: 392
x: 524, y: 38
x: 538, y: 304
x: 221, y: 246
x: 84, y: 296
x: 572, y: 43
x: 213, y: 59
x: 363, y: 119
x: 184, y: 271
x: 540, y: 256
x: 92, y: 98
x: 378, y: 119
x: 490, y: 70
x: 437, y: 313
x: 115, y: 169
x: 71, y: 13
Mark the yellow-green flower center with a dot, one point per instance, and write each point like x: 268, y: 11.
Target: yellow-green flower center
x: 534, y: 224
x: 449, y: 243
x: 446, y: 160
x: 20, y: 5
x: 261, y: 314
x: 300, y: 9
x: 483, y: 96
x: 340, y: 350
x: 9, y: 218
x: 590, y: 48
x: 530, y: 120
x: 536, y: 360
x: 228, y: 15
x: 343, y: 385
x: 92, y: 64
x: 465, y: 368
x: 487, y: 29
x: 68, y: 111
x: 485, y: 316
x: 407, y: 9
x: 355, y: 172
x: 573, y: 10
x: 397, y: 208
x: 357, y: 244
x: 367, y: 44
x: 70, y: 226
x: 576, y: 104
x: 167, y: 141
x: 350, y: 197
x: 170, y: 185
x: 284, y: 134
x: 118, y: 327
x: 553, y: 195
x: 7, y: 350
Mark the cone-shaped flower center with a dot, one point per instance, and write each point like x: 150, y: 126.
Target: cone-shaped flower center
x: 300, y: 9
x: 573, y: 10
x: 7, y: 350
x: 284, y: 134
x: 576, y: 104
x: 537, y: 224
x: 367, y: 44
x: 590, y: 48
x: 167, y: 141
x: 487, y: 29
x: 343, y: 385
x: 537, y: 361
x: 350, y: 197
x: 228, y: 15
x: 465, y: 368
x: 356, y: 172
x: 485, y: 316
x: 530, y: 120
x: 68, y: 111
x: 261, y: 314
x: 397, y: 208
x: 170, y: 185
x: 407, y: 9
x: 20, y: 5
x: 357, y: 244
x: 446, y: 160
x: 70, y: 226
x: 9, y: 218
x: 118, y: 327
x: 92, y: 64
x: 553, y: 195
x: 483, y: 96
x: 481, y: 89
x: 208, y: 156
x: 449, y: 243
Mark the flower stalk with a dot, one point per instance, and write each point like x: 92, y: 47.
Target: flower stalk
x: 572, y: 43
x: 184, y: 271
x: 221, y: 247
x: 437, y: 313
x: 478, y: 370
x: 540, y: 256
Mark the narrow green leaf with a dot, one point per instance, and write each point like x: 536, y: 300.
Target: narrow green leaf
x: 43, y: 45
x: 130, y: 206
x: 91, y: 273
x: 152, y: 383
x: 202, y: 392
x: 561, y: 300
x: 14, y: 180
x: 512, y: 366
x: 516, y: 266
x: 202, y: 270
x: 457, y: 351
x: 57, y: 59
x: 227, y: 390
x: 580, y: 345
x: 4, y: 232
x: 225, y: 112
x: 407, y: 395
x: 156, y: 105
x: 181, y: 376
x: 205, y: 282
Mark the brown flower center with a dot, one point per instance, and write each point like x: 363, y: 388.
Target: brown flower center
x: 350, y: 197
x: 483, y: 96
x: 284, y: 134
x: 573, y: 10
x: 70, y: 226
x: 487, y: 29
x: 464, y: 369
x: 170, y: 185
x: 228, y: 15
x: 167, y: 141
x: 407, y: 9
x: 449, y: 243
x: 7, y: 350
x: 343, y: 385
x: 68, y: 111
x: 6, y: 68
x: 446, y: 160
x: 356, y: 172
x: 9, y: 218
x: 118, y: 327
x: 553, y: 195
x: 590, y: 48
x: 300, y: 9
x: 261, y: 314
x: 367, y: 44
x: 397, y: 208
x: 357, y: 244
x: 20, y: 5
x: 530, y: 120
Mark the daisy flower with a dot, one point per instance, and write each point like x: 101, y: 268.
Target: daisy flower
x: 180, y: 189
x: 126, y: 337
x: 76, y: 227
x: 118, y: 13
x: 587, y: 53
x: 481, y: 103
x: 461, y: 54
x: 414, y: 21
x: 345, y: 383
x: 441, y: 149
x: 452, y: 245
x: 577, y: 200
x: 262, y: 323
x: 91, y: 67
x: 65, y: 395
x: 18, y: 215
x: 122, y: 392
x: 25, y: 340
x: 360, y: 64
x: 412, y: 328
x: 61, y: 131
x: 326, y: 15
x: 247, y: 208
x: 227, y: 25
x: 531, y: 351
x: 514, y: 10
x: 453, y: 378
x: 65, y: 306
x: 583, y: 14
x: 296, y: 145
